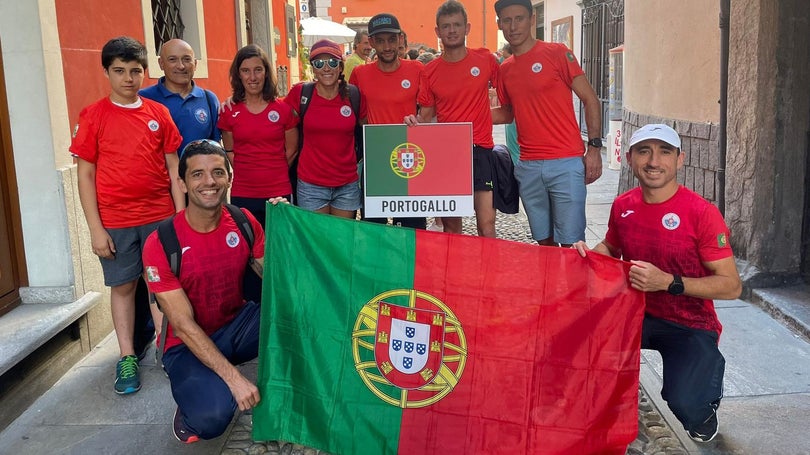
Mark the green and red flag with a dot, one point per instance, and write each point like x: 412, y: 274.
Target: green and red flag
x: 424, y: 170
x: 378, y: 340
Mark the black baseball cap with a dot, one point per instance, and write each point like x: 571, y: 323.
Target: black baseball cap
x: 383, y: 23
x: 501, y: 4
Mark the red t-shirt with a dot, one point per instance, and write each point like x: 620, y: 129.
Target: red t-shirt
x: 460, y: 91
x: 389, y: 96
x: 260, y: 167
x: 211, y: 270
x: 327, y: 157
x: 537, y: 85
x: 676, y: 236
x: 128, y: 147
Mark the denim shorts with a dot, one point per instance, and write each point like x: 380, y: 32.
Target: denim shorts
x: 553, y: 194
x: 314, y: 197
x: 127, y: 265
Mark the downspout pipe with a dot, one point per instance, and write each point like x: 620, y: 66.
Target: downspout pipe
x: 725, y: 12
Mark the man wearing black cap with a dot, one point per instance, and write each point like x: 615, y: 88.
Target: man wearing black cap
x: 455, y: 88
x: 535, y: 88
x: 390, y: 84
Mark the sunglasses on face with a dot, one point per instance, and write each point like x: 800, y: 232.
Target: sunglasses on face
x: 332, y: 62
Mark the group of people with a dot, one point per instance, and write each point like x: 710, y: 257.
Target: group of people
x: 188, y: 154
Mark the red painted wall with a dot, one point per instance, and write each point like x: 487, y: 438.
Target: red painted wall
x: 418, y: 19
x: 85, y: 25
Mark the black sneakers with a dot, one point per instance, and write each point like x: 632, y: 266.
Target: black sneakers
x: 180, y: 431
x: 706, y: 431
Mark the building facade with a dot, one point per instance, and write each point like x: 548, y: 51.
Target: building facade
x: 51, y: 287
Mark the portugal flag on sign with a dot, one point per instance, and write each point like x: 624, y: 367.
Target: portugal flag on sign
x: 424, y: 170
x: 378, y: 340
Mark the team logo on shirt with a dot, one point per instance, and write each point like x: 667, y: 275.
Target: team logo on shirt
x: 537, y: 67
x: 407, y: 160
x: 152, y: 275
x: 201, y: 115
x: 345, y: 111
x: 570, y: 56
x: 406, y: 84
x: 671, y: 221
x: 722, y: 240
x: 232, y: 239
x: 273, y: 116
x: 153, y: 125
x: 475, y: 71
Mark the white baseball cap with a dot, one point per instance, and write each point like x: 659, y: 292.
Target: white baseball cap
x: 656, y: 131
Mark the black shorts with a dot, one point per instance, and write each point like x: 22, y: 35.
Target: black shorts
x: 483, y: 167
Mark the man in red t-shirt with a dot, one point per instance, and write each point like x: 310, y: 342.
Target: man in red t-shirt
x: 455, y: 88
x: 679, y: 246
x: 389, y: 86
x: 535, y: 89
x: 211, y: 327
x: 125, y: 147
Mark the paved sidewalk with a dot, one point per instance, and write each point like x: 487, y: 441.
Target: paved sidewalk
x: 766, y: 409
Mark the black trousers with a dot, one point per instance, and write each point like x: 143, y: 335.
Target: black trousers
x: 693, y: 368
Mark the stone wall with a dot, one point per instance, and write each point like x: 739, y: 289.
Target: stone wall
x: 699, y: 142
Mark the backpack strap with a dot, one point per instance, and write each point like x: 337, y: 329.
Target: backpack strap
x: 306, y: 96
x: 354, y: 99
x: 246, y: 229
x: 171, y: 247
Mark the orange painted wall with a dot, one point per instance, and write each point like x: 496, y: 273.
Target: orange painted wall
x: 418, y: 18
x: 280, y: 21
x: 85, y: 25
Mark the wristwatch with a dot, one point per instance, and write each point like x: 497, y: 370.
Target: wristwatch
x: 676, y: 287
x: 595, y: 142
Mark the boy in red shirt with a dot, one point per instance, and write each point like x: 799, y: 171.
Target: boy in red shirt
x: 127, y: 167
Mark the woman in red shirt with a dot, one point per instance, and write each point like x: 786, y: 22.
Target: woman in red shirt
x: 327, y: 167
x: 259, y: 133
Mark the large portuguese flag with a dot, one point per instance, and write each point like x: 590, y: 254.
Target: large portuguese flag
x: 382, y: 340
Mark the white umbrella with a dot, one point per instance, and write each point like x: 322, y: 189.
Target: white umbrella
x: 315, y: 28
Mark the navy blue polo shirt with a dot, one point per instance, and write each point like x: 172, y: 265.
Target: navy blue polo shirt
x: 195, y: 116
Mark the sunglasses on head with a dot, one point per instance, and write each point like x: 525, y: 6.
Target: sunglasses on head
x: 332, y: 62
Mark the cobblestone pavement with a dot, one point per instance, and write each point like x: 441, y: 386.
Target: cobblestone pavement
x: 654, y: 435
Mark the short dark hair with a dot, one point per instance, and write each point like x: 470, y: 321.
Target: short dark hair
x: 125, y: 48
x: 359, y: 37
x: 270, y: 90
x: 451, y: 7
x: 201, y: 147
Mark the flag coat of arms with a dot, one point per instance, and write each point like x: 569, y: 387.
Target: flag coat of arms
x: 382, y: 340
x: 424, y: 170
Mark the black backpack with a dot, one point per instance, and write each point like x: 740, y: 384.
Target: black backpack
x: 252, y: 283
x: 306, y: 95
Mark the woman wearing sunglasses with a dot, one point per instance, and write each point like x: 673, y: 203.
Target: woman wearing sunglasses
x: 259, y: 133
x: 327, y: 164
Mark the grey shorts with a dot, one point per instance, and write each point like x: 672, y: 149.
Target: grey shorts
x: 127, y: 265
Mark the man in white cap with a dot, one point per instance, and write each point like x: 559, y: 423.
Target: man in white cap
x: 678, y: 245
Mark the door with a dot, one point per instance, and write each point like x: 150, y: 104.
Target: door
x: 10, y: 244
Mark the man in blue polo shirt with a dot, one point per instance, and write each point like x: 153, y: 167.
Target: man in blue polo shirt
x: 193, y: 109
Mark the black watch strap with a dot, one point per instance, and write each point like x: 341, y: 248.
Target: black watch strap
x: 676, y: 287
x: 595, y: 142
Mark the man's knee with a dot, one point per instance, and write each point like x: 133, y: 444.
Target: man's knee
x: 211, y: 422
